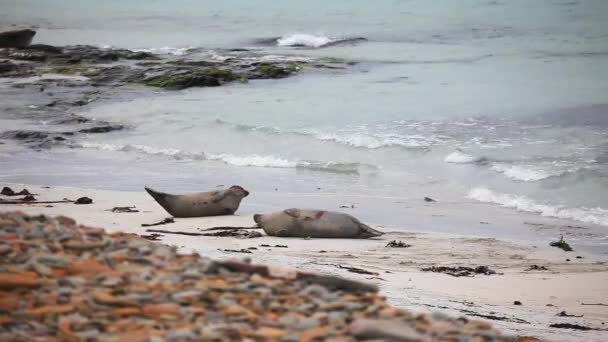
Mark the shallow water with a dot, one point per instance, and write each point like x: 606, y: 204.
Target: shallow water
x: 501, y: 102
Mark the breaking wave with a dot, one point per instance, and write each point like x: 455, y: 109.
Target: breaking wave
x: 460, y: 157
x: 252, y: 160
x: 305, y: 40
x: 355, y: 136
x: 166, y: 50
x: 523, y: 203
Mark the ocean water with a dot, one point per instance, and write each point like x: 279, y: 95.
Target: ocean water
x: 469, y: 102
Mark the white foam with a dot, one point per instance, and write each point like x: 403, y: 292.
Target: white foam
x: 166, y: 50
x: 520, y: 173
x: 255, y: 160
x: 375, y: 141
x: 523, y: 203
x: 252, y: 160
x: 170, y: 152
x: 459, y: 157
x: 303, y: 39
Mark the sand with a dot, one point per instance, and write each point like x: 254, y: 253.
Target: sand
x: 543, y: 294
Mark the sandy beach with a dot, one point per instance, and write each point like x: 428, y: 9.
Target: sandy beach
x: 572, y: 281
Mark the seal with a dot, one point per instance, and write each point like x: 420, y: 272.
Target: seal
x: 201, y: 204
x: 314, y: 223
x: 16, y: 39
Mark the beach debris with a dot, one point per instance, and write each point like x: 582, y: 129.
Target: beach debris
x: 229, y: 228
x: 152, y: 237
x: 28, y: 198
x: 347, y: 206
x: 428, y: 199
x: 494, y: 317
x: 579, y: 257
x: 460, y: 271
x: 536, y: 268
x: 397, y: 244
x: 278, y: 246
x: 6, y: 191
x: 237, y: 233
x: 160, y: 223
x: 123, y: 210
x: 565, y: 314
x: 83, y: 200
x: 600, y: 304
x: 571, y: 326
x: 350, y: 268
x: 561, y: 244
x: 517, y: 302
x: 242, y: 250
x: 131, y: 289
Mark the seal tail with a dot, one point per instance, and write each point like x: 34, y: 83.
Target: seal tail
x: 158, y: 196
x: 367, y: 231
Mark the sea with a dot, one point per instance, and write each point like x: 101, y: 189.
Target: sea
x: 492, y: 108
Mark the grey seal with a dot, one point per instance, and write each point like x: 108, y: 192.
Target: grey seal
x: 313, y: 223
x: 212, y: 203
x: 16, y: 39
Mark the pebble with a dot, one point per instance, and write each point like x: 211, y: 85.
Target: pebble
x: 67, y: 282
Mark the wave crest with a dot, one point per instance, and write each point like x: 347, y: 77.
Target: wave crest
x: 523, y: 203
x: 310, y: 40
x: 252, y: 160
x: 460, y: 157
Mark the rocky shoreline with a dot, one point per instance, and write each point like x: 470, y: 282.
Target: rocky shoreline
x: 64, y: 281
x: 51, y: 83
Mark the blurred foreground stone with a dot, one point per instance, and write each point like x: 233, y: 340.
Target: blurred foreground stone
x: 60, y: 281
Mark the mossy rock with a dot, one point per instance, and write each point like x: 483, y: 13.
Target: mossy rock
x: 177, y: 82
x: 276, y: 71
x: 222, y: 74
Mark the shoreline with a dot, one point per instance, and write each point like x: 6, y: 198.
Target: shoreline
x: 565, y: 286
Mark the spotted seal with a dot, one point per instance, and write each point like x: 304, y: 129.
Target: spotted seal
x: 200, y: 204
x: 314, y: 223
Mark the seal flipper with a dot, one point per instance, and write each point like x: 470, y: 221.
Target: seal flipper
x: 293, y: 212
x: 218, y: 196
x: 161, y: 198
x: 367, y: 231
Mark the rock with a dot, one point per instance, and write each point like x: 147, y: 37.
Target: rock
x: 516, y: 302
x: 83, y: 200
x: 184, y: 81
x: 119, y: 287
x: 12, y: 281
x: 102, y: 129
x: 16, y: 39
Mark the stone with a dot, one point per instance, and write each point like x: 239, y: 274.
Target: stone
x: 11, y: 281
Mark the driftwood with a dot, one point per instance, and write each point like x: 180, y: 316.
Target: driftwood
x: 565, y: 314
x: 35, y: 202
x: 172, y: 232
x: 600, y: 304
x: 351, y: 269
x: 165, y: 221
x: 240, y: 233
x: 229, y: 228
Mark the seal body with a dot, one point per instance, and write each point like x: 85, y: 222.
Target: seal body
x: 16, y: 39
x: 200, y: 204
x: 315, y: 224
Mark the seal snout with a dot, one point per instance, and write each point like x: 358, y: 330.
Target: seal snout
x: 241, y: 189
x: 257, y: 218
